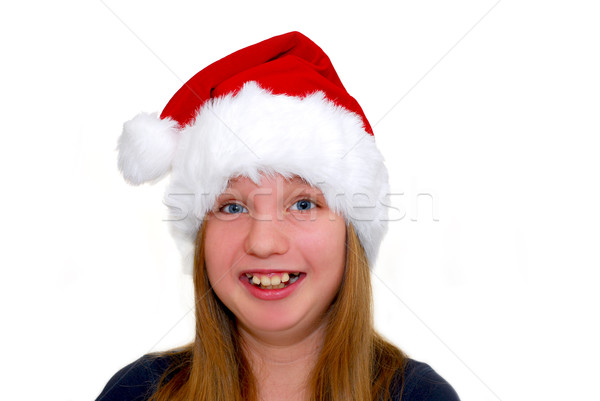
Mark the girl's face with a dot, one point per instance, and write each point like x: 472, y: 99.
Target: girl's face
x: 275, y: 255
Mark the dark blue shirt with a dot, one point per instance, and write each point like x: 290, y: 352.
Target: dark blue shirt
x: 138, y: 380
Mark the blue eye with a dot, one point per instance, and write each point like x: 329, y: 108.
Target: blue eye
x: 234, y: 208
x: 303, y: 204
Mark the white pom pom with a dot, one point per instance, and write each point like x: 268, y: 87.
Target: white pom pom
x: 146, y: 148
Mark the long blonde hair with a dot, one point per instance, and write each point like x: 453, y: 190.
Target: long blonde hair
x: 355, y: 363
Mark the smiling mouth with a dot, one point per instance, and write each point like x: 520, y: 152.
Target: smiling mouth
x: 272, y: 281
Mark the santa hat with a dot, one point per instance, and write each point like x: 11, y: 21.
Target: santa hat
x: 274, y: 107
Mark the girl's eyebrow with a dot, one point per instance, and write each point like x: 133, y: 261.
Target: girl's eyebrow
x: 308, y: 191
x: 291, y: 187
x: 228, y: 194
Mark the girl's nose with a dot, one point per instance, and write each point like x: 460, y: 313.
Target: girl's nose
x: 267, y: 236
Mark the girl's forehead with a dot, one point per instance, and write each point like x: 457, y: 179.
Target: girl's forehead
x: 270, y: 180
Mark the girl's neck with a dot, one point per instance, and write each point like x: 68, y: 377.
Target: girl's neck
x: 282, y: 369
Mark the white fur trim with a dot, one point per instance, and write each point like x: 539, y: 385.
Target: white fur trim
x: 146, y: 148
x: 254, y: 131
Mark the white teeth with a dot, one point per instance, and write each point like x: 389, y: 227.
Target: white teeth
x: 275, y: 281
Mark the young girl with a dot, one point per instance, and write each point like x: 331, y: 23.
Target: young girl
x: 279, y: 197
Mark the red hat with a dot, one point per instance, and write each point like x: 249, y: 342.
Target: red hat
x: 289, y: 64
x: 278, y: 107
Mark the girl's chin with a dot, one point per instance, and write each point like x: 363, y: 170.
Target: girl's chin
x: 264, y: 324
x: 280, y: 328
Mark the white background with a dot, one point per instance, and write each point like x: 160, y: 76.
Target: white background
x: 495, y: 117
